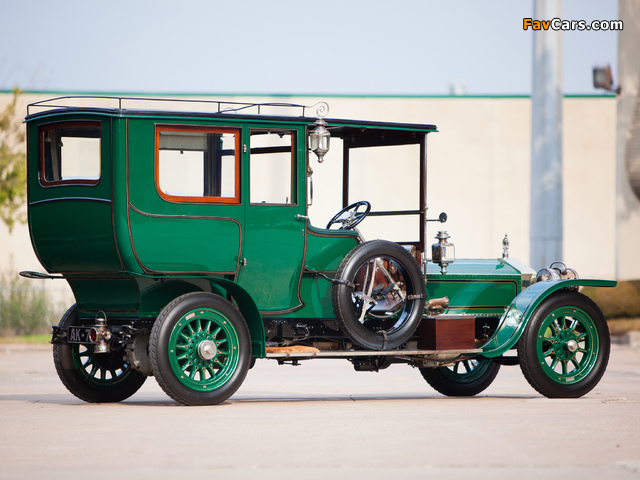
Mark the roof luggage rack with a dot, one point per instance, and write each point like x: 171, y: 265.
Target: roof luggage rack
x: 122, y: 104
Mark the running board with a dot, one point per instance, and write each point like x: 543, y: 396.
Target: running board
x: 371, y: 353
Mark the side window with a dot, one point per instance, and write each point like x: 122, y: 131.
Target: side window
x: 70, y: 153
x: 272, y: 167
x: 198, y: 164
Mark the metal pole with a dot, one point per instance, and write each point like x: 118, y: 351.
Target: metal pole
x: 546, y: 222
x: 423, y: 204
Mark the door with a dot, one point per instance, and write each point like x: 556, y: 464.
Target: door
x: 274, y: 234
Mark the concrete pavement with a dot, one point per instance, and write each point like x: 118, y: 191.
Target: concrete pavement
x: 318, y: 420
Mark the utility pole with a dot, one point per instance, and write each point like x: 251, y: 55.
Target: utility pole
x: 546, y: 224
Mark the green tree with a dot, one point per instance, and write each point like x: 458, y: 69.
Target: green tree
x: 13, y: 165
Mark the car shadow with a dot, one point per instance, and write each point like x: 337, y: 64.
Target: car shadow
x: 70, y: 400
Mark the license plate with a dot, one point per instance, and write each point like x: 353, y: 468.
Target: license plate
x: 79, y: 335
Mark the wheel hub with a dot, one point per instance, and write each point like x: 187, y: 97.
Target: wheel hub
x: 572, y: 346
x: 207, y: 350
x: 565, y: 345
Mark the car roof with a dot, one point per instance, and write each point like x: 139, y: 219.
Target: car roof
x: 234, y: 111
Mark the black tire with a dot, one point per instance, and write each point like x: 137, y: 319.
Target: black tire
x: 462, y: 379
x: 367, y: 325
x: 564, y: 350
x: 200, y: 349
x: 94, y: 377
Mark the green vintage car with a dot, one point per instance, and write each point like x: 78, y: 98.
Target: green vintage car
x: 183, y: 230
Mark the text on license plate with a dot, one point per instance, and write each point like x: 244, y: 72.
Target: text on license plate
x: 79, y: 335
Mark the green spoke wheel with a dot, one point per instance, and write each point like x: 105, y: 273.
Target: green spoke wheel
x: 379, y: 298
x: 564, y: 350
x: 462, y: 379
x: 95, y: 378
x: 200, y: 349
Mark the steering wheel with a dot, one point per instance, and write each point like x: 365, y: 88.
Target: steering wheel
x: 350, y: 216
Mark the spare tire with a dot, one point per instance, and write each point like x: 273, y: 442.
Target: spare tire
x: 379, y: 295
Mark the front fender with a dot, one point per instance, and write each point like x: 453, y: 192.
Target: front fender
x: 517, y: 315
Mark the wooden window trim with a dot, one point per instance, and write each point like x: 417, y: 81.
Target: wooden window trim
x: 200, y: 129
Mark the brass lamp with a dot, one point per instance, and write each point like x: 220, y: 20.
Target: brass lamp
x: 319, y: 139
x: 443, y: 253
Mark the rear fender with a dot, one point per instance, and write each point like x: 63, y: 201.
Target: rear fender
x: 517, y: 315
x: 249, y: 311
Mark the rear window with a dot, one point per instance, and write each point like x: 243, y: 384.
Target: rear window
x: 70, y: 153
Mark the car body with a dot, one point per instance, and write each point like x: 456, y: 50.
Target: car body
x: 184, y: 234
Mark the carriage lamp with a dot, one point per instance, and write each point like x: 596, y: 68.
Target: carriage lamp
x: 100, y: 334
x: 443, y: 253
x: 319, y: 139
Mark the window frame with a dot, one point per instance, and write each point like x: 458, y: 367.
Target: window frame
x: 236, y: 199
x: 42, y: 129
x: 293, y: 188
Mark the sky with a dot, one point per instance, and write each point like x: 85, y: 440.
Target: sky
x: 290, y: 47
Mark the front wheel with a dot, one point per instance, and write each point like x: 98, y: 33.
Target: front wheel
x: 94, y: 377
x: 565, y: 348
x: 462, y: 379
x: 200, y: 349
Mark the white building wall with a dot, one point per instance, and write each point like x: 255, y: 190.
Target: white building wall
x: 479, y: 173
x: 589, y: 179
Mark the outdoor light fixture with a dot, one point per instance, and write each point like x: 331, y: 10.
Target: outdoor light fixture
x: 602, y: 78
x: 443, y: 253
x: 319, y: 136
x: 100, y: 334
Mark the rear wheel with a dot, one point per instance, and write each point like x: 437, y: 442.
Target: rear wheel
x: 94, y: 377
x: 200, y: 349
x: 462, y: 379
x: 565, y: 348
